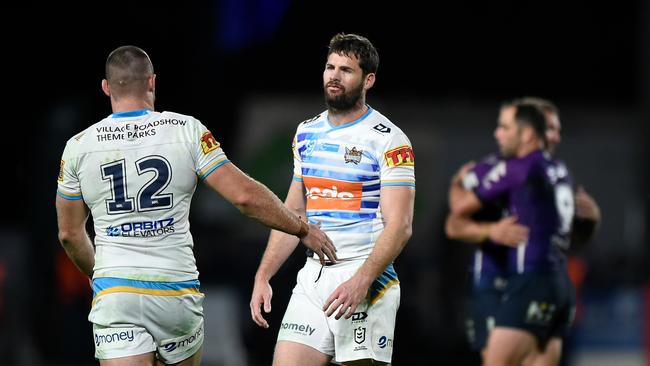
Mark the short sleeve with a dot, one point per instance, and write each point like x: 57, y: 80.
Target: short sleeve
x: 297, y: 160
x: 69, y: 186
x: 397, y: 162
x: 208, y: 155
x: 497, y: 182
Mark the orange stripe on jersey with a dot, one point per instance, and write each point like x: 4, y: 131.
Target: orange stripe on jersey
x: 400, y: 156
x: 330, y: 194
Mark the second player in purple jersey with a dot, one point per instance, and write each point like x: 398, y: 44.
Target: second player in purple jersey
x: 539, y: 192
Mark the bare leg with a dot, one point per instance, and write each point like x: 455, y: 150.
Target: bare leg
x: 145, y: 359
x: 508, y: 347
x: 296, y: 354
x: 365, y: 362
x: 550, y: 356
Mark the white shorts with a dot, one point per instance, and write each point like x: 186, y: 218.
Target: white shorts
x: 367, y: 334
x: 134, y: 317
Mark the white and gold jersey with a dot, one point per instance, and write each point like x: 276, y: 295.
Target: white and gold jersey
x: 137, y: 172
x: 343, y: 169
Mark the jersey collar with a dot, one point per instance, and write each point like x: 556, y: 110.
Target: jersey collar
x: 135, y: 113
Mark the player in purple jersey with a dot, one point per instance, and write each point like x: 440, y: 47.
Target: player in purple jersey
x: 487, y: 287
x: 536, y: 301
x: 492, y: 233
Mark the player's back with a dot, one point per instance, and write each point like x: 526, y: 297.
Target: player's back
x: 137, y: 172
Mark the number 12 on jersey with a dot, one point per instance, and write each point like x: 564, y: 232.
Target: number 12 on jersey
x: 149, y: 197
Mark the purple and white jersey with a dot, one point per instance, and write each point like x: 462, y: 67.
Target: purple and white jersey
x: 539, y: 191
x: 490, y: 259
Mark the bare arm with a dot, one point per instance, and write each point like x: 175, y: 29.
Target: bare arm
x: 254, y: 200
x: 281, y: 245
x: 505, y: 231
x: 460, y: 226
x: 397, y: 209
x: 72, y: 216
x: 279, y: 248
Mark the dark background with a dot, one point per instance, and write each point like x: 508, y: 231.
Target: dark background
x: 216, y: 59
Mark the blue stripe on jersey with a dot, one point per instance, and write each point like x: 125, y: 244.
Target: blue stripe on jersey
x: 343, y: 215
x: 371, y: 187
x: 205, y: 175
x: 297, y: 179
x: 405, y: 183
x: 306, y: 136
x: 136, y: 113
x: 339, y: 163
x: 387, y: 279
x: 69, y: 197
x: 105, y: 283
x: 320, y: 173
x: 369, y: 204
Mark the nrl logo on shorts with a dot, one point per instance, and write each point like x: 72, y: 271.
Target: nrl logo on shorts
x: 359, y: 335
x: 352, y: 156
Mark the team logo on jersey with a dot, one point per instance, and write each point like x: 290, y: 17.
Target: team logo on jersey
x: 381, y: 128
x: 385, y: 341
x: 540, y: 312
x: 308, y: 121
x: 61, y: 170
x: 330, y: 194
x: 353, y: 156
x: 360, y: 316
x: 208, y: 142
x: 360, y: 335
x: 310, y: 146
x: 400, y: 156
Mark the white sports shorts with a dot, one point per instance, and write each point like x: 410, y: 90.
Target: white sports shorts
x: 368, y: 334
x: 134, y: 317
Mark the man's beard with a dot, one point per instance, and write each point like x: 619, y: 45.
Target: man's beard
x: 346, y: 101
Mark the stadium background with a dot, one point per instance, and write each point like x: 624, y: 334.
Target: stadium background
x: 251, y: 70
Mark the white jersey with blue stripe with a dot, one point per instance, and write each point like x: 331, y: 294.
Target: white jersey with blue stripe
x: 137, y: 172
x: 343, y: 168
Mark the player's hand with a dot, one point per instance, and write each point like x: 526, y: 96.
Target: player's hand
x: 508, y: 232
x: 346, y: 298
x: 261, y: 297
x: 586, y: 206
x: 320, y: 243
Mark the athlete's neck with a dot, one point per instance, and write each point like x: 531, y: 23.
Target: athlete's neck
x: 131, y: 104
x: 338, y: 118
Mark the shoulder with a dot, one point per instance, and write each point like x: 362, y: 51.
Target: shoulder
x: 175, y: 118
x: 487, y: 162
x: 86, y: 135
x: 381, y: 126
x: 557, y: 171
x: 313, y: 122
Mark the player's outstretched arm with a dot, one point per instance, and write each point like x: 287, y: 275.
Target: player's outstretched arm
x: 505, y: 231
x: 72, y: 216
x: 255, y: 200
x: 396, y: 204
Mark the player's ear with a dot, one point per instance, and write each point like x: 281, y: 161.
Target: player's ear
x: 106, y: 88
x: 370, y: 81
x: 527, y: 133
x: 152, y: 82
